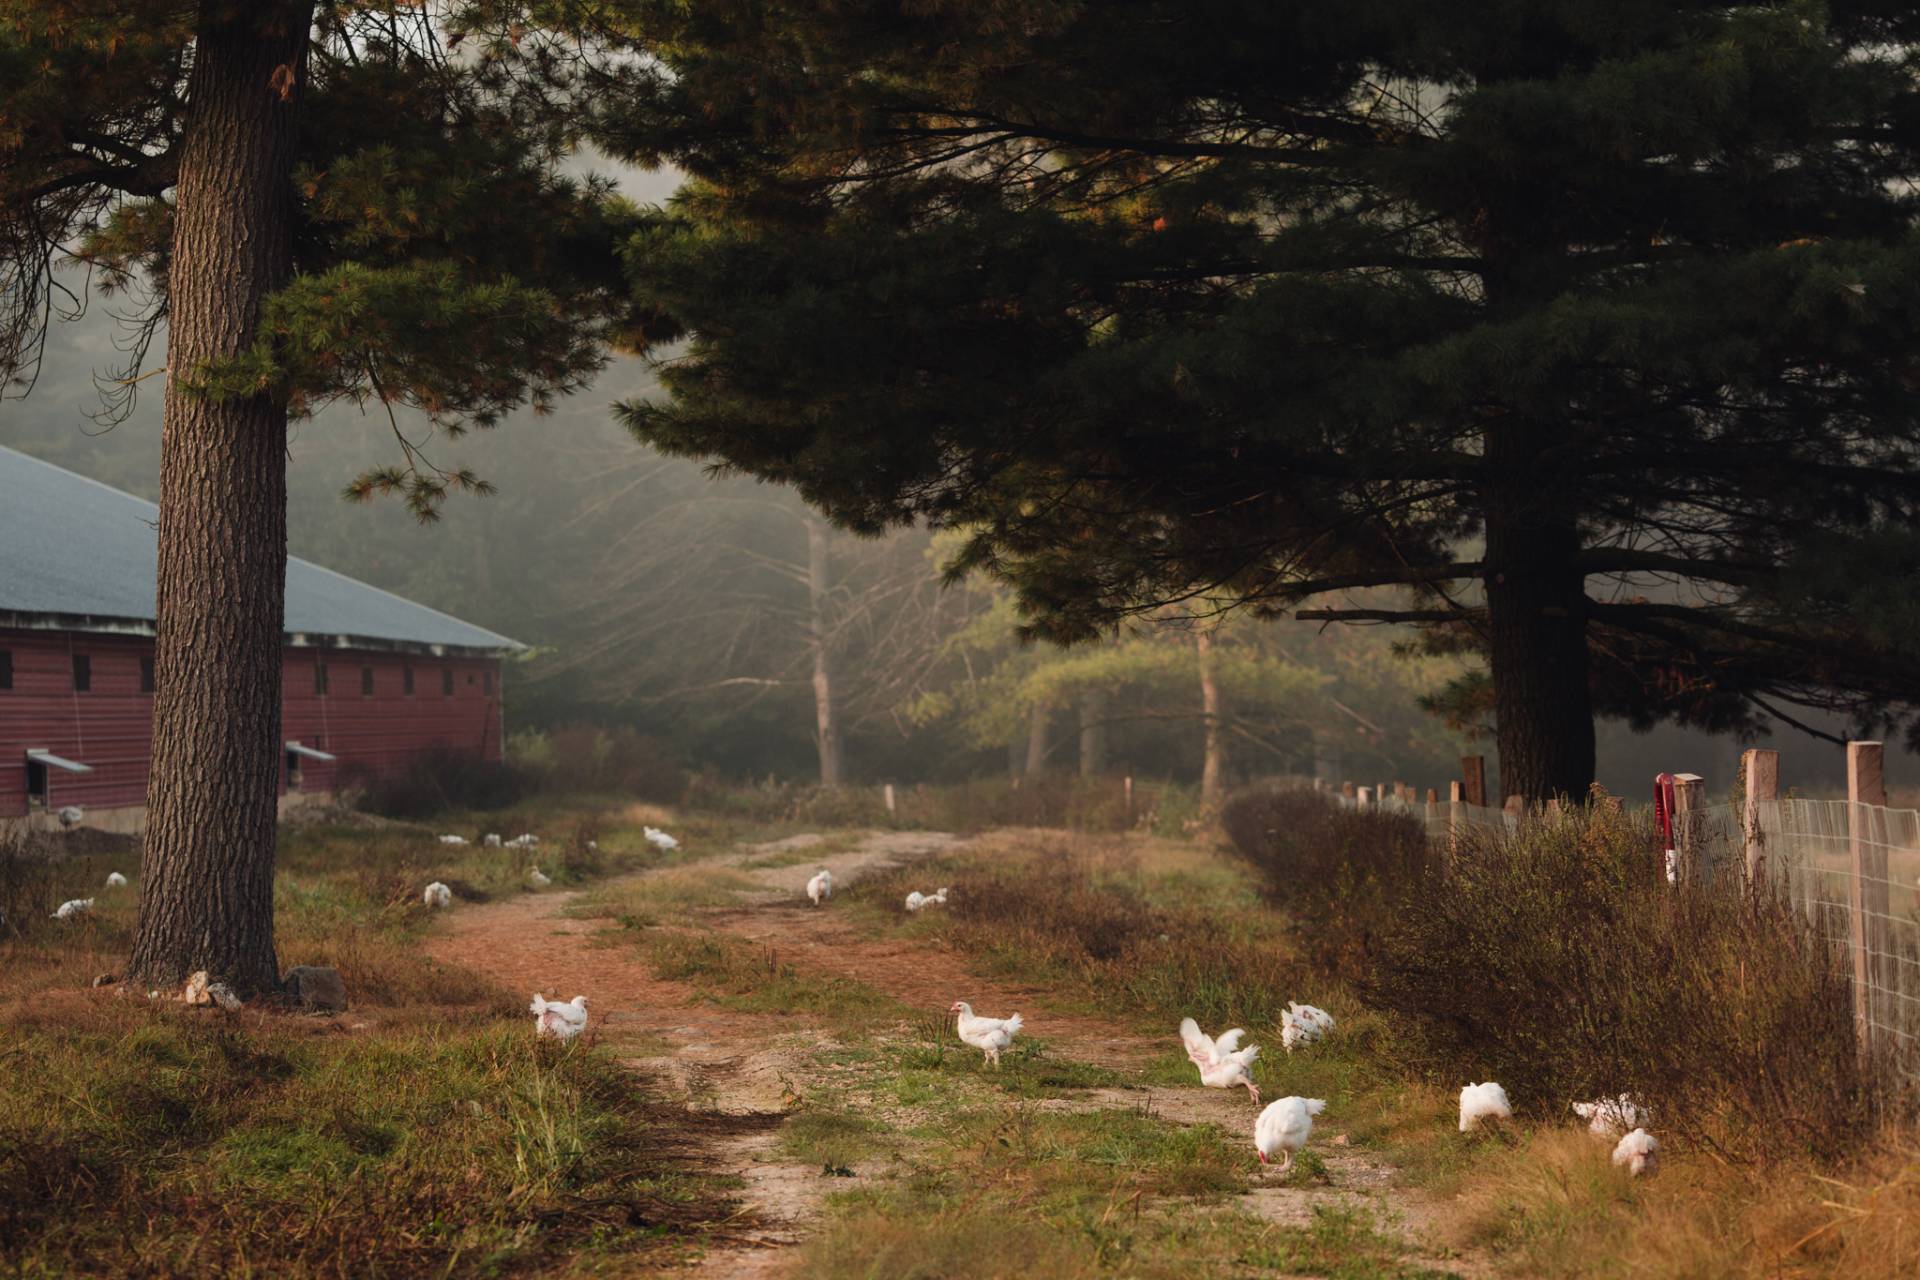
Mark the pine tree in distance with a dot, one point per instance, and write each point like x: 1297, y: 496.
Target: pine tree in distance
x: 320, y: 200
x: 1588, y: 327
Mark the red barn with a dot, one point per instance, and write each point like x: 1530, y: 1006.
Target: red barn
x: 369, y: 679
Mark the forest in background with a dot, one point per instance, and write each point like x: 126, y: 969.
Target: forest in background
x: 659, y: 598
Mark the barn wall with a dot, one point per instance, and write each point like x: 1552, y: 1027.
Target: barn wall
x: 110, y: 725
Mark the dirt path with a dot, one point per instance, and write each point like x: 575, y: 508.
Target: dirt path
x: 749, y: 1068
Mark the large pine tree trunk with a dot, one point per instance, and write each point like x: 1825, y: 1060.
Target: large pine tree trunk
x: 825, y: 715
x: 1093, y: 733
x: 206, y: 871
x: 1536, y: 619
x: 1213, y: 760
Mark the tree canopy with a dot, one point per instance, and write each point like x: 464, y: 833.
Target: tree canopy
x: 1586, y: 326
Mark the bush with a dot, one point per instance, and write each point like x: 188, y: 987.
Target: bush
x: 1343, y: 875
x: 1559, y: 962
x: 588, y: 758
x: 435, y: 781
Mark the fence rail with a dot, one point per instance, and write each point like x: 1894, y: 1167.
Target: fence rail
x: 1853, y: 866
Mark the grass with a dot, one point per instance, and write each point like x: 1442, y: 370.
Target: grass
x: 665, y: 896
x: 738, y: 975
x: 151, y: 1139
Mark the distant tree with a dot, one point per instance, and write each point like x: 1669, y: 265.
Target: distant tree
x: 317, y: 200
x: 1588, y: 326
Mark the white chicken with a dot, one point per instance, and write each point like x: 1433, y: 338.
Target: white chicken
x: 561, y: 1021
x: 916, y: 900
x: 660, y: 839
x: 991, y: 1036
x: 491, y: 840
x: 1611, y: 1117
x: 939, y: 896
x: 453, y: 839
x: 1284, y: 1128
x: 73, y: 909
x: 1480, y: 1102
x: 525, y: 840
x: 1303, y: 1024
x: 437, y: 895
x: 72, y: 816
x: 820, y: 888
x: 115, y: 880
x: 1639, y: 1151
x: 538, y: 879
x: 1222, y: 1062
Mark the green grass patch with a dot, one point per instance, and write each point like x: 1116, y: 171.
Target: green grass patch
x: 738, y: 975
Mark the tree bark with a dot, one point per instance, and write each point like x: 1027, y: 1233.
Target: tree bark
x: 1093, y: 733
x: 1037, y: 746
x: 1213, y: 760
x: 1537, y: 625
x: 206, y: 868
x: 826, y: 718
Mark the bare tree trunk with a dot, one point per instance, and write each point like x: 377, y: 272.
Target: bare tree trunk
x: 1037, y: 721
x: 1213, y: 761
x: 206, y: 870
x: 826, y: 719
x: 1093, y: 733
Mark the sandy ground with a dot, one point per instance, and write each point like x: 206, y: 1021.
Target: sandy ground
x: 747, y: 1070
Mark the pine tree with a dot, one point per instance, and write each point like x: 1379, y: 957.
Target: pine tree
x: 319, y: 201
x: 1587, y: 326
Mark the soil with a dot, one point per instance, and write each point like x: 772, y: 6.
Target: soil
x: 752, y: 1067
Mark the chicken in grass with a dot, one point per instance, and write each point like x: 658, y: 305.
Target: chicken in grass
x: 115, y: 880
x: 437, y: 895
x: 820, y: 888
x: 1638, y: 1153
x: 1284, y: 1127
x: 561, y: 1021
x: 1483, y: 1102
x: 991, y: 1036
x: 74, y: 909
x: 660, y: 839
x: 1611, y: 1117
x: 1223, y: 1063
x: 1303, y: 1024
x: 538, y: 878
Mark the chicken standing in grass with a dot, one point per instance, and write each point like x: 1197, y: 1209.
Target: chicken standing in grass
x: 115, y: 880
x: 453, y: 839
x: 72, y: 816
x: 660, y: 839
x: 1611, y: 1117
x: 1639, y: 1152
x: 991, y: 1036
x: 1479, y: 1102
x: 74, y: 909
x: 1303, y: 1024
x: 1223, y: 1063
x: 1284, y: 1127
x: 561, y: 1021
x: 820, y: 888
x: 538, y: 878
x: 437, y: 895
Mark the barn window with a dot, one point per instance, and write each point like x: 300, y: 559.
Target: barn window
x: 446, y: 682
x: 6, y: 668
x: 320, y: 678
x: 82, y: 673
x: 366, y: 682
x: 486, y: 683
x: 406, y: 679
x: 146, y: 674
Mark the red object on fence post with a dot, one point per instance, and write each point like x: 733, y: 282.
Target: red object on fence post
x: 1663, y: 824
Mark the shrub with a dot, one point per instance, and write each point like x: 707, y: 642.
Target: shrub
x: 588, y: 758
x: 1342, y: 874
x: 1559, y: 962
x: 433, y: 782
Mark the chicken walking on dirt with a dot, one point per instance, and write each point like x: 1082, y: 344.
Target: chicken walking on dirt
x: 1284, y: 1127
x: 992, y: 1036
x: 1223, y: 1063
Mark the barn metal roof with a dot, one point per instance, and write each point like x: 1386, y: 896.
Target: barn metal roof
x: 79, y: 555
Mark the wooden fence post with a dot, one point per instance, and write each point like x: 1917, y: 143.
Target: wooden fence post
x: 1516, y: 806
x: 1362, y: 799
x: 1473, y: 770
x: 1347, y: 791
x: 1868, y: 900
x: 1760, y: 784
x: 1689, y: 789
x: 1126, y: 789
